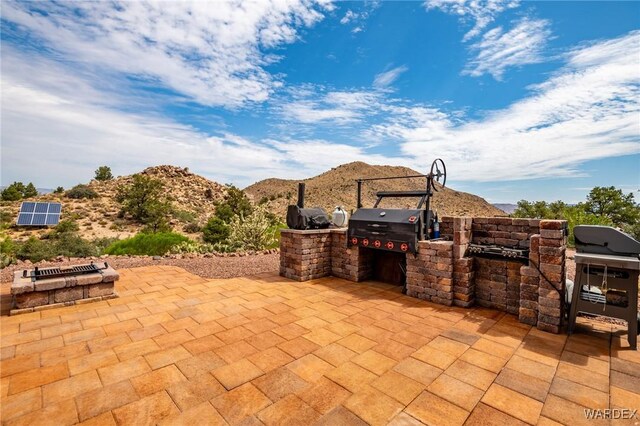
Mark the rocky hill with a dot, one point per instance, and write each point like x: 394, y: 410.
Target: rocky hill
x: 337, y: 187
x: 192, y: 196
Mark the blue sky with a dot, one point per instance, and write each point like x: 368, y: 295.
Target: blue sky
x: 522, y: 100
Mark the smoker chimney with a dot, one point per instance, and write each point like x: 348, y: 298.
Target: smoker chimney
x: 301, y: 195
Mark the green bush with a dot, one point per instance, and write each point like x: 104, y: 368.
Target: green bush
x: 7, y: 251
x: 81, y: 191
x: 29, y: 191
x: 192, y: 228
x: 13, y: 192
x: 216, y: 231
x: 144, y: 202
x: 156, y: 244
x: 254, y: 232
x: 103, y: 173
x: 35, y: 250
x: 58, y: 190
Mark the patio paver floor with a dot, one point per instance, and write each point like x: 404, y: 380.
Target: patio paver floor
x: 175, y: 348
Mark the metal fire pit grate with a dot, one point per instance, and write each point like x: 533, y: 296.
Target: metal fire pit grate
x: 57, y: 272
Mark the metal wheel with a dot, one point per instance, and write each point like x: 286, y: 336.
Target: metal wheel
x: 439, y: 174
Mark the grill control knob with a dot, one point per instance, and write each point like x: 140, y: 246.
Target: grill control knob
x: 383, y: 213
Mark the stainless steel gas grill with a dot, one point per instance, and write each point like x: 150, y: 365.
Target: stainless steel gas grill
x: 397, y: 230
x: 607, y: 269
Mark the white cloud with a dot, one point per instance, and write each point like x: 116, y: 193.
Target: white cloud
x: 387, y: 78
x: 314, y: 105
x: 481, y: 12
x: 349, y: 17
x: 499, y: 50
x: 213, y: 53
x: 588, y: 110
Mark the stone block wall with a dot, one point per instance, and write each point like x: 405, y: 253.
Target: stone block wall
x: 443, y: 273
x: 305, y: 255
x: 30, y: 296
x: 430, y: 274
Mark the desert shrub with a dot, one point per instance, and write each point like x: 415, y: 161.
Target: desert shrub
x: 58, y: 190
x: 7, y: 251
x: 144, y: 202
x: 236, y: 203
x: 156, y: 244
x: 192, y: 247
x: 192, y: 228
x: 254, y: 232
x: 35, y: 250
x: 208, y: 193
x: 216, y: 231
x: 81, y: 191
x: 184, y: 216
x: 101, y: 244
x: 18, y: 190
x: 103, y: 173
x: 6, y: 218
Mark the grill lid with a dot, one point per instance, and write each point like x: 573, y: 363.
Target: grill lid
x: 408, y: 216
x: 605, y: 240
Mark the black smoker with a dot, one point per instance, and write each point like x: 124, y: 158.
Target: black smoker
x: 300, y: 218
x: 396, y: 230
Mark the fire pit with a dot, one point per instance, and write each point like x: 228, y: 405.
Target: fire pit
x: 45, y: 288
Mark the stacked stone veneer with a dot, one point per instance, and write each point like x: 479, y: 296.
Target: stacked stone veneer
x: 443, y: 273
x: 30, y: 296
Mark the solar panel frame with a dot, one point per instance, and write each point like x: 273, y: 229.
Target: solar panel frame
x: 33, y: 213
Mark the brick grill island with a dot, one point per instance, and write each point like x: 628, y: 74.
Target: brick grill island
x: 31, y: 294
x: 445, y: 272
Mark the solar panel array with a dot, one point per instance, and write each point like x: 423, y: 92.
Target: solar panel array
x: 39, y: 214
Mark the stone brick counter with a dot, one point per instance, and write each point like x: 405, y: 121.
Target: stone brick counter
x: 30, y: 296
x: 443, y: 273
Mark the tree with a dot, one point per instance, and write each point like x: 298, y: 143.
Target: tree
x: 536, y: 209
x: 235, y: 203
x: 30, y: 191
x: 81, y: 191
x: 58, y: 190
x: 216, y: 231
x: 144, y: 202
x: 12, y: 192
x: 612, y: 203
x: 103, y: 173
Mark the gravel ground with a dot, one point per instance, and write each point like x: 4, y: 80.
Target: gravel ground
x: 208, y: 267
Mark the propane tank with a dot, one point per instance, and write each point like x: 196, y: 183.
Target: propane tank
x: 339, y: 217
x: 436, y: 226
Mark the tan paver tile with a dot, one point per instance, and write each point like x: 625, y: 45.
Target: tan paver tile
x: 187, y: 394
x: 39, y: 346
x: 167, y: 356
x: 284, y: 318
x: 240, y: 403
x: 531, y: 368
x: 513, y: 403
x: 335, y: 354
x: 181, y: 323
x: 64, y: 413
x: 279, y: 383
x: 375, y: 333
x: 19, y: 364
x: 624, y: 366
x: 340, y: 416
x: 342, y: 328
x: 147, y: 332
x: 394, y: 350
x: 174, y: 338
x: 357, y: 343
x: 199, y: 364
x: 351, y: 376
x: 146, y: 411
x: 122, y: 327
x: 312, y: 323
x: 290, y: 331
x: 584, y: 377
x: 21, y: 403
x: 310, y: 368
x: 237, y: 373
x: 433, y: 410
x: 322, y: 336
x: 270, y: 359
x: 298, y: 347
x: 203, y: 344
x: 289, y: 410
x: 484, y: 415
x: 523, y: 383
x: 157, y: 380
x: 83, y: 335
x: 579, y: 394
x: 18, y: 338
x: 374, y: 362
x: 456, y: 391
x: 450, y: 346
x: 265, y: 340
x: 403, y: 419
x: 91, y: 404
x: 109, y: 342
x: 410, y: 338
x: 324, y: 395
x: 92, y: 362
x: 418, y: 370
x: 235, y: 351
x: 149, y: 320
x: 60, y: 355
x: 625, y: 381
x: 104, y: 419
x: 434, y: 356
x: 205, y: 329
x: 135, y: 349
x: 373, y: 406
x: 124, y: 370
x: 567, y: 412
x: 70, y: 388
x: 37, y: 377
x: 483, y: 360
x: 493, y: 348
x: 204, y: 412
x: 234, y: 334
x: 622, y: 398
x: 462, y: 336
x: 398, y: 386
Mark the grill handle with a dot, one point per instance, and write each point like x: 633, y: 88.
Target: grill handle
x: 378, y: 233
x: 376, y: 225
